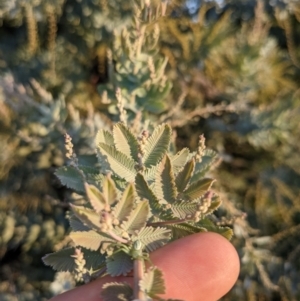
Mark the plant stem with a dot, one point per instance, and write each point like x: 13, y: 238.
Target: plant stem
x: 138, y: 273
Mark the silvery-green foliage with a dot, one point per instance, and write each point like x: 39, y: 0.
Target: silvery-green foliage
x: 146, y: 197
x: 139, y: 71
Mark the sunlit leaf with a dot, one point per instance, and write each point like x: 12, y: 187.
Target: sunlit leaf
x: 123, y: 208
x: 125, y: 141
x: 104, y: 136
x: 145, y: 192
x: 210, y: 157
x: 184, y: 229
x: 210, y: 226
x: 197, y: 189
x: 165, y: 188
x: 153, y: 238
x: 118, y: 264
x: 157, y: 145
x: 116, y: 292
x: 88, y: 216
x: 71, y: 177
x: 184, y: 176
x: 137, y: 218
x: 63, y: 261
x: 182, y: 209
x: 95, y: 197
x: 88, y: 239
x: 119, y: 163
x: 109, y: 190
x: 153, y: 283
x: 179, y: 159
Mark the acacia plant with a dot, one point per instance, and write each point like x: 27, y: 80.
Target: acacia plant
x: 140, y: 197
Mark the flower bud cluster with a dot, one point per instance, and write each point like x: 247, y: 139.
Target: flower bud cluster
x: 106, y: 221
x: 142, y: 141
x: 123, y: 113
x: 203, y: 206
x: 80, y: 262
x: 201, y: 148
x: 69, y: 149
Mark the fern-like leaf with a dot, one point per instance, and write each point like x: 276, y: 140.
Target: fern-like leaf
x: 95, y: 197
x: 125, y: 205
x: 210, y: 226
x: 210, y: 157
x: 119, y: 163
x: 137, y: 218
x: 184, y: 229
x: 157, y: 145
x: 76, y: 224
x: 90, y: 240
x: 184, y: 176
x: 197, y: 189
x: 183, y: 209
x: 87, y: 216
x: 144, y: 192
x: 104, y: 136
x: 153, y: 238
x: 215, y: 204
x: 109, y: 190
x: 71, y: 177
x: 119, y: 263
x: 116, y: 292
x: 153, y: 283
x: 125, y: 141
x: 165, y: 188
x: 63, y: 261
x: 179, y: 159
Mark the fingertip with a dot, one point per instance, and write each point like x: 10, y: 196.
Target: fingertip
x: 202, y: 266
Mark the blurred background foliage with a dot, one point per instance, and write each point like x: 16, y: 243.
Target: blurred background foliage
x: 229, y: 69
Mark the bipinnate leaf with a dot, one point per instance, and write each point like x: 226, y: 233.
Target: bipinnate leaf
x: 165, y: 188
x: 210, y: 226
x: 115, y: 291
x: 118, y: 264
x: 119, y: 163
x: 197, y: 189
x: 215, y: 204
x: 123, y: 208
x: 144, y: 192
x: 95, y: 197
x: 153, y: 238
x: 184, y: 176
x: 76, y: 224
x: 88, y: 216
x: 157, y: 145
x: 90, y: 240
x: 63, y: 261
x: 109, y: 190
x: 185, y: 229
x: 179, y: 159
x: 183, y: 209
x: 210, y: 157
x: 71, y: 177
x: 125, y: 141
x: 137, y: 218
x: 104, y: 136
x: 153, y: 283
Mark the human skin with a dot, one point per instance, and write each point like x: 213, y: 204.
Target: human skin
x: 202, y: 266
